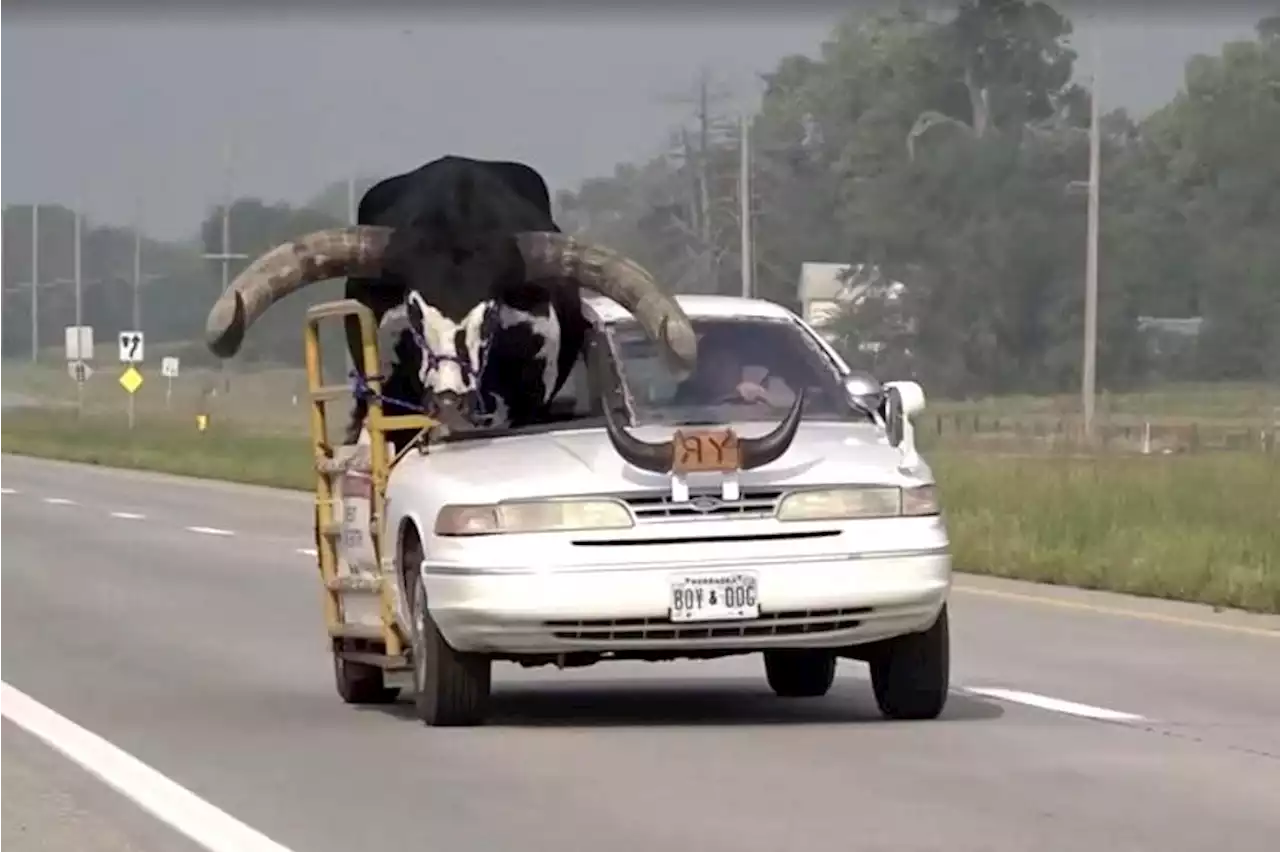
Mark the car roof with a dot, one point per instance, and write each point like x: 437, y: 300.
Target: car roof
x: 697, y: 306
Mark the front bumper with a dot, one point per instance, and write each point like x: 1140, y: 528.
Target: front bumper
x: 810, y: 602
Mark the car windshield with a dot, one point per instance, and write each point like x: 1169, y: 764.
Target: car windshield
x: 748, y: 369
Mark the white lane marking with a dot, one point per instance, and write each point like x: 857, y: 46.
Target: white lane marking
x: 59, y: 501
x: 128, y: 516
x: 211, y: 827
x: 306, y: 551
x: 1057, y: 705
x: 8, y: 491
x: 209, y: 531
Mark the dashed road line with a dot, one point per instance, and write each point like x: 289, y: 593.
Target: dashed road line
x: 165, y: 799
x: 209, y: 531
x: 1056, y: 705
x: 1030, y: 699
x: 8, y: 491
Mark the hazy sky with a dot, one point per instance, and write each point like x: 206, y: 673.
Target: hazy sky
x: 145, y: 105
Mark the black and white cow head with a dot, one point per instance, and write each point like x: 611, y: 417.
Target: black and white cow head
x: 453, y: 356
x: 456, y: 355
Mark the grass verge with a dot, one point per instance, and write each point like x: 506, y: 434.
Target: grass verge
x: 166, y: 445
x: 1200, y: 528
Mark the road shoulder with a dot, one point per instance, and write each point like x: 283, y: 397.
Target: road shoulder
x: 52, y: 805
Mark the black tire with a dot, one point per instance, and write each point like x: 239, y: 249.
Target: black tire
x: 451, y: 688
x: 911, y: 674
x: 800, y: 672
x: 361, y: 683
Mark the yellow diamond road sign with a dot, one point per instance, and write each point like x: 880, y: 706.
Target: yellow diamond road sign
x: 131, y: 380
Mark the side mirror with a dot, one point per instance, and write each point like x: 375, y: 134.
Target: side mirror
x: 911, y: 395
x: 895, y: 417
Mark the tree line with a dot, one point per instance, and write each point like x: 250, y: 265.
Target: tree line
x: 941, y: 154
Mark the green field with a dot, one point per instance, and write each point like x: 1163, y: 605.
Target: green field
x: 1198, y: 527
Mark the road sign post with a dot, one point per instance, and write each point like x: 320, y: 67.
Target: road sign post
x: 169, y: 369
x: 131, y: 349
x: 79, y: 346
x: 131, y: 380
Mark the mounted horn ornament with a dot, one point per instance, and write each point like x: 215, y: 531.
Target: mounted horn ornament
x: 694, y: 450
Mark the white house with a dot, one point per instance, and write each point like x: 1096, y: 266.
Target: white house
x: 825, y: 288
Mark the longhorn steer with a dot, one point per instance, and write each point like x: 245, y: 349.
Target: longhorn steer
x: 489, y: 282
x: 490, y: 289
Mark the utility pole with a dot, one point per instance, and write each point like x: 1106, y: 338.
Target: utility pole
x: 78, y: 279
x: 1089, y: 366
x: 79, y: 306
x: 225, y: 255
x: 744, y: 204
x: 137, y: 269
x: 35, y: 282
x: 3, y: 284
x: 704, y: 163
x: 704, y: 103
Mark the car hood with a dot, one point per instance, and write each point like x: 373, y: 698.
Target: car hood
x: 584, y: 462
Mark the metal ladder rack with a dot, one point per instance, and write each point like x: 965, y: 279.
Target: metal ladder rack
x: 383, y: 646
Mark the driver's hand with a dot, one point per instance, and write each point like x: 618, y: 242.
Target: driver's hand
x: 752, y: 392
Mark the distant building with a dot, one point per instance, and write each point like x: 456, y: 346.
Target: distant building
x: 827, y: 288
x: 1170, y: 337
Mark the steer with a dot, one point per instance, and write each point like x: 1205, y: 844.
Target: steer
x: 489, y: 284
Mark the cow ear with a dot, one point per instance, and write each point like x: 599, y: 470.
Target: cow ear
x: 416, y: 309
x: 476, y: 322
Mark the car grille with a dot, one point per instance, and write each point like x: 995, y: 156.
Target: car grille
x: 795, y: 623
x: 752, y: 503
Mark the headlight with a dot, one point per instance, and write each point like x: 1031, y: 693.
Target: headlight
x: 532, y: 516
x: 866, y: 502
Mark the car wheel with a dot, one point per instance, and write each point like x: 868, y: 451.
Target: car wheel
x: 800, y: 673
x: 452, y: 688
x: 911, y: 674
x: 361, y: 683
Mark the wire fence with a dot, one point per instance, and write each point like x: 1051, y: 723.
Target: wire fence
x: 1130, y: 434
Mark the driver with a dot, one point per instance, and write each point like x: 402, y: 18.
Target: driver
x: 722, y: 377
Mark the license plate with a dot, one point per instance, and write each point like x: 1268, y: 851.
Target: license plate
x: 714, y: 597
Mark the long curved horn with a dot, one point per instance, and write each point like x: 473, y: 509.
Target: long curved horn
x: 658, y: 457
x: 652, y: 457
x: 332, y: 253
x: 548, y: 254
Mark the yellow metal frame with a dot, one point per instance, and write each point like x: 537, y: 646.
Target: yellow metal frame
x: 377, y: 424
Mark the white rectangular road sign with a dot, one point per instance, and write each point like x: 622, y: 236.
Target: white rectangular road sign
x: 131, y: 347
x: 169, y: 367
x: 79, y: 346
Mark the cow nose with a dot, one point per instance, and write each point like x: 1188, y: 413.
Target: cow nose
x: 454, y: 409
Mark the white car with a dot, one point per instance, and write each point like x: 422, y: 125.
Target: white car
x: 545, y: 545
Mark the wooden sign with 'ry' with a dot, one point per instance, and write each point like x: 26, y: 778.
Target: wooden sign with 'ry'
x: 706, y: 451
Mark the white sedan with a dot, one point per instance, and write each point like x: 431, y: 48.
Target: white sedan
x: 778, y: 507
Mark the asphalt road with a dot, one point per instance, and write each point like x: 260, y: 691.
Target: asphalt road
x: 180, y: 621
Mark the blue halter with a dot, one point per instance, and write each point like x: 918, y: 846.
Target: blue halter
x: 432, y: 360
